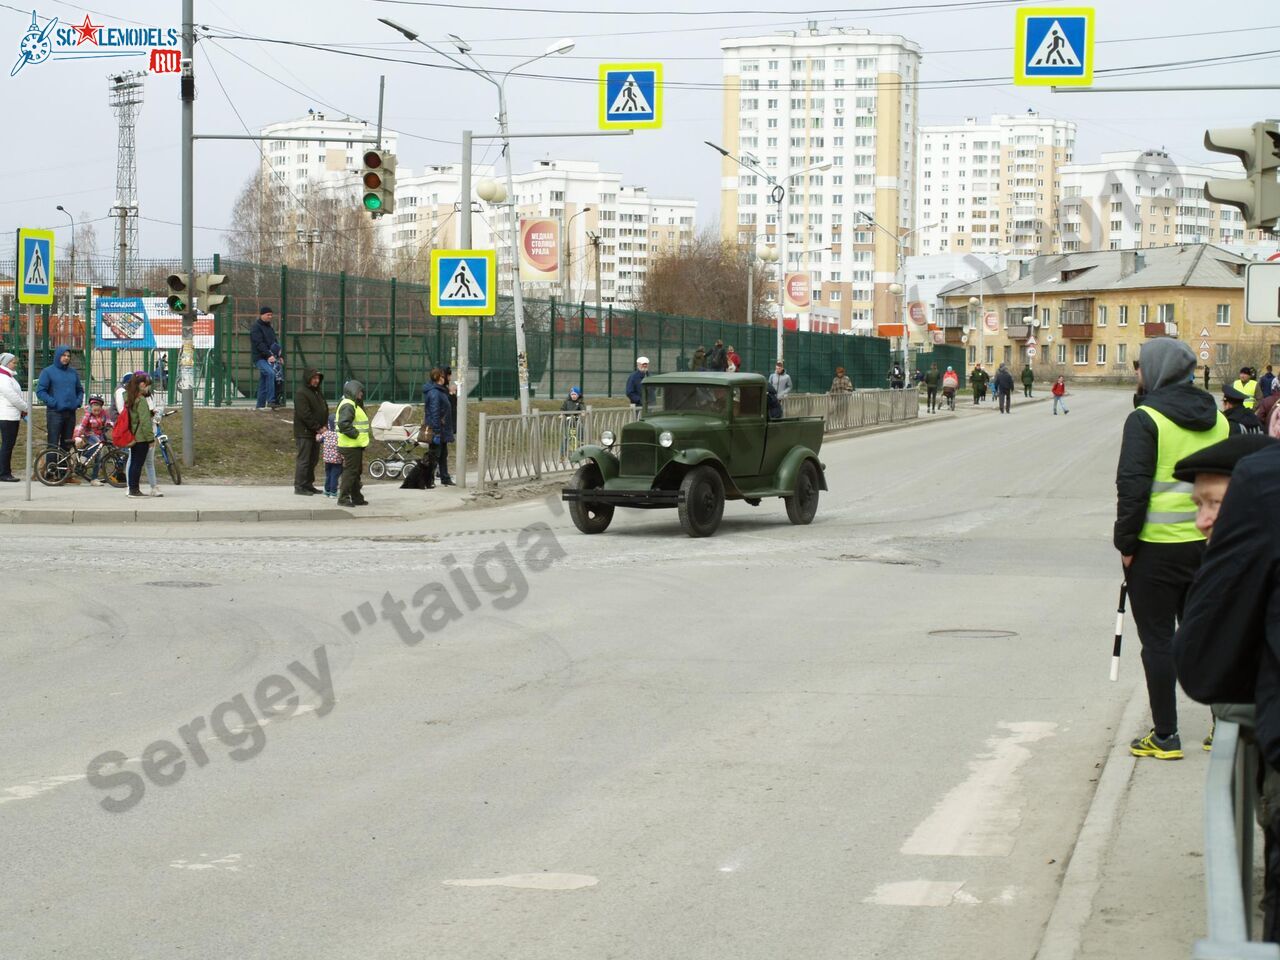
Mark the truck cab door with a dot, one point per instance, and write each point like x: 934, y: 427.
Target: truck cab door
x: 746, y: 431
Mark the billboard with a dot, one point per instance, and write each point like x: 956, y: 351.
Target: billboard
x: 796, y: 291
x: 539, y: 251
x: 145, y: 323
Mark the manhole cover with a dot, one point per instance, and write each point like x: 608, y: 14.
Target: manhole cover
x: 178, y: 584
x: 973, y: 634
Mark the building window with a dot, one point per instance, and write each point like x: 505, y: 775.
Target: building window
x: 991, y: 356
x: 1062, y: 354
x: 1102, y: 354
x: 1164, y: 312
x: 1224, y: 353
x: 1144, y: 312
x: 1102, y: 316
x: 1122, y: 353
x: 973, y: 354
x: 1224, y: 314
x: 1082, y: 354
x: 1123, y: 321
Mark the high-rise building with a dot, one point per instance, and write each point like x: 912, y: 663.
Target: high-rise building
x: 1140, y: 199
x: 992, y: 187
x: 294, y: 166
x: 598, y: 216
x: 796, y: 101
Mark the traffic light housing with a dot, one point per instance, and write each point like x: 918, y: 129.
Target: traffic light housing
x: 179, y: 292
x: 209, y: 296
x: 1258, y: 149
x: 378, y: 182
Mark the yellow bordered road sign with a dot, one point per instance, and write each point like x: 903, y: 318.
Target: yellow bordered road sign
x: 1053, y: 46
x: 35, y: 266
x: 630, y: 96
x: 464, y: 283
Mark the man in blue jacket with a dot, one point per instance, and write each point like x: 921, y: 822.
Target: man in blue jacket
x: 636, y: 379
x: 60, y: 390
x: 261, y: 338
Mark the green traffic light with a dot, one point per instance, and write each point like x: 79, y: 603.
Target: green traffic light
x: 372, y: 201
x: 177, y: 305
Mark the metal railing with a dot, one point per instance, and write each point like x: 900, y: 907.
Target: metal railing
x: 515, y: 447
x: 849, y: 411
x: 1229, y: 828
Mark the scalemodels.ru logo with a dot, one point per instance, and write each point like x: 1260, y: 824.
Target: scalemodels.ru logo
x: 89, y: 39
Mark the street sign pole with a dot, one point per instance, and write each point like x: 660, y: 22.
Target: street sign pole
x: 186, y: 360
x: 464, y: 323
x: 31, y: 388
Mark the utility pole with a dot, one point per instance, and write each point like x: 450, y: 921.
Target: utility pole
x: 464, y: 323
x: 187, y: 359
x: 595, y: 242
x: 751, y: 282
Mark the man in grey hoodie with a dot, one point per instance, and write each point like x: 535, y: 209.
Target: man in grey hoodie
x: 1155, y: 530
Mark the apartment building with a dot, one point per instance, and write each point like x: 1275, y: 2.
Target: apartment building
x: 992, y: 187
x: 296, y: 166
x: 795, y: 101
x: 1143, y: 199
x: 596, y: 211
x: 1087, y: 314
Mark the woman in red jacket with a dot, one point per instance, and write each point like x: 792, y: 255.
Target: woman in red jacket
x: 1059, y: 391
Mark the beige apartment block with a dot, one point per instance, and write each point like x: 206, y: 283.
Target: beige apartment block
x: 794, y: 101
x: 992, y: 188
x: 1089, y: 313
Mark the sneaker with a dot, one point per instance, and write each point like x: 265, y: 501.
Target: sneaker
x: 345, y: 502
x: 304, y: 491
x: 1162, y: 748
x: 8, y: 478
x: 95, y: 483
x: 153, y: 492
x: 447, y: 481
x: 135, y: 495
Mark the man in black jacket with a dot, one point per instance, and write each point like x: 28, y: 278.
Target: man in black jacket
x: 310, y: 416
x: 261, y: 337
x: 1242, y: 420
x: 1155, y: 532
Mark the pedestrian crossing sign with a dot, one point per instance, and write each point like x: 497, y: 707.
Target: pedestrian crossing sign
x: 35, y: 266
x: 1053, y: 46
x: 630, y: 96
x: 464, y: 283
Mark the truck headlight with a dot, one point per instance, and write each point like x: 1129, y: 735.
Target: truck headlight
x: 665, y: 439
x: 607, y: 438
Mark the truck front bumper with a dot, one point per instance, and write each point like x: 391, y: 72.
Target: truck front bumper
x: 645, y: 499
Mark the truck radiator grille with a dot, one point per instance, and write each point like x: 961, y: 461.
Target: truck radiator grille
x: 638, y: 459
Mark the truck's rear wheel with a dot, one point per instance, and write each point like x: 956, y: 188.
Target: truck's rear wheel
x: 702, y: 505
x: 803, y: 504
x: 587, y: 516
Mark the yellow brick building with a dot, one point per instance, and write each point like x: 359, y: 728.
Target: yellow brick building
x: 1087, y: 314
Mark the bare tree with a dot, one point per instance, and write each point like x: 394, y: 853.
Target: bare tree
x: 707, y: 278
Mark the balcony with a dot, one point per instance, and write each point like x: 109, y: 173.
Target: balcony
x: 1018, y: 331
x: 1159, y: 329
x: 1077, y: 331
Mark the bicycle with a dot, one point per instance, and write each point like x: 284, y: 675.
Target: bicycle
x: 56, y: 466
x: 165, y: 451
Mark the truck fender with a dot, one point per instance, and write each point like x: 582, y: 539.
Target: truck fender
x: 605, y: 461
x: 790, y: 467
x: 696, y: 456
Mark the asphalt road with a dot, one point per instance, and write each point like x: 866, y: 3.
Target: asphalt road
x: 875, y: 736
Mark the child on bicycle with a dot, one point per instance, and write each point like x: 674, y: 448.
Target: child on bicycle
x: 332, y: 456
x: 90, y: 436
x: 571, y: 408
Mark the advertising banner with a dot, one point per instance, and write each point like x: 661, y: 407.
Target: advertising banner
x: 796, y: 287
x: 540, y: 251
x: 144, y: 323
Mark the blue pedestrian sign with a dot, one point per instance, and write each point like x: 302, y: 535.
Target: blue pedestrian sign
x: 630, y: 96
x: 35, y: 266
x: 1053, y: 46
x: 464, y: 283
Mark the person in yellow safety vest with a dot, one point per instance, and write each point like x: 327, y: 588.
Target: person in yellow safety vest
x: 353, y: 437
x: 1248, y: 386
x: 1155, y: 530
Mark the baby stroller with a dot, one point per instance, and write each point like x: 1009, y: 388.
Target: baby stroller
x: 397, y: 425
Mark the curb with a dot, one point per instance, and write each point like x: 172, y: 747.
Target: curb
x: 37, y: 516
x: 1065, y: 930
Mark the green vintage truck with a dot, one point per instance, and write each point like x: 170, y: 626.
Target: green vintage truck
x: 702, y: 438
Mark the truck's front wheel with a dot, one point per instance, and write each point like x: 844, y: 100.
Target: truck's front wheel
x: 702, y: 505
x: 587, y: 516
x: 803, y: 504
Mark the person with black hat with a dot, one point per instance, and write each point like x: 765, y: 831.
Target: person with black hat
x: 261, y: 338
x: 1242, y: 420
x: 1155, y: 529
x: 1225, y: 647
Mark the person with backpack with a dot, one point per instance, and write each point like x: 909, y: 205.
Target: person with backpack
x: 1059, y: 391
x: 139, y: 429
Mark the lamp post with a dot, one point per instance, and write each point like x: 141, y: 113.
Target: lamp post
x: 898, y: 289
x: 566, y: 285
x: 71, y: 286
x: 779, y: 197
x: 464, y: 49
x: 981, y: 324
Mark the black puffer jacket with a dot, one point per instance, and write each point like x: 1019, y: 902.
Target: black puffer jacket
x: 310, y: 408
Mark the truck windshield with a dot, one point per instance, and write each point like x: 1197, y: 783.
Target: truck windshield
x: 686, y: 398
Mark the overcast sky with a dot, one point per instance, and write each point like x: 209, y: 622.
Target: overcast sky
x: 59, y: 109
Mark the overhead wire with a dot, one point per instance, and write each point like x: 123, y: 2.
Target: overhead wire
x: 687, y: 12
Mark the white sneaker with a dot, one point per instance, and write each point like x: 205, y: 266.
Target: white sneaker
x: 95, y: 483
x: 154, y: 493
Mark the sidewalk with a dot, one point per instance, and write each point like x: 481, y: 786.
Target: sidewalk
x: 217, y: 503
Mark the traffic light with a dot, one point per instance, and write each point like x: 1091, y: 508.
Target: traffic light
x: 1258, y: 148
x: 179, y: 292
x: 378, y: 182
x: 208, y: 295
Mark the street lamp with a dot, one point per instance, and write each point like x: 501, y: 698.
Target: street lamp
x: 565, y: 283
x: 72, y: 273
x: 464, y: 49
x: 779, y: 195
x: 898, y: 289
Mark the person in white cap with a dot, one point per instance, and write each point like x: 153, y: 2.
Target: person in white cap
x: 633, y: 382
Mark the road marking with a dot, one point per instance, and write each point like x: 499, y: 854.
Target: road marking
x: 25, y: 791
x: 979, y: 817
x: 230, y: 863
x: 934, y: 893
x: 531, y: 881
